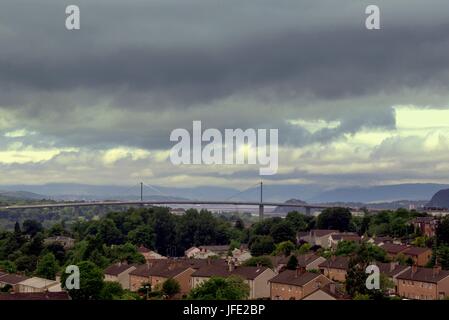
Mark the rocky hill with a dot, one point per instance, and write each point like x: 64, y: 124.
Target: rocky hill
x: 440, y: 199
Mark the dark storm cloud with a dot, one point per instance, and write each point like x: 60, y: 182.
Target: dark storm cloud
x: 143, y: 58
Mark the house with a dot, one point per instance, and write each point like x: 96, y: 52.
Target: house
x: 424, y: 283
x: 177, y: 211
x: 330, y: 291
x: 11, y: 280
x: 335, y: 268
x: 66, y: 242
x: 156, y: 272
x: 149, y: 254
x: 393, y: 250
x: 295, y: 284
x: 420, y: 256
x: 426, y: 225
x: 310, y: 261
x: 256, y: 277
x: 347, y: 236
x: 119, y: 272
x: 35, y: 296
x: 379, y: 241
x: 36, y: 284
x: 318, y: 237
x: 392, y: 270
x: 241, y: 255
x: 204, y: 252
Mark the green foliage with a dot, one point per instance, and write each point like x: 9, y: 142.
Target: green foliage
x: 334, y: 218
x: 217, y: 288
x: 262, y: 245
x: 304, y: 248
x: 170, y: 287
x: 259, y: 261
x: 292, y: 263
x: 8, y: 266
x: 283, y: 231
x: 442, y: 255
x: 285, y: 248
x: 91, y: 282
x: 47, y: 267
x: 111, y: 291
x: 32, y: 227
x: 442, y: 232
x: 345, y: 248
x: 297, y: 220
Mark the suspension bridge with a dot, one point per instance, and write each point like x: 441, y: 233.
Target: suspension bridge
x: 260, y: 203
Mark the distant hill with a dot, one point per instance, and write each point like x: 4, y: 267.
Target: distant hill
x: 440, y: 199
x: 310, y: 193
x: 285, y: 210
x: 387, y: 193
x: 21, y: 195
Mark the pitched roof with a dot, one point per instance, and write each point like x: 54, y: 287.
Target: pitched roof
x: 39, y: 283
x: 393, y: 248
x: 346, y: 236
x: 216, y: 270
x: 169, y: 268
x: 215, y: 248
x: 424, y: 220
x: 293, y: 277
x: 118, y: 268
x: 338, y: 262
x: 35, y: 296
x: 391, y: 269
x: 143, y: 249
x: 12, y: 279
x: 305, y: 259
x: 424, y: 275
x: 322, y: 232
x: 415, y: 251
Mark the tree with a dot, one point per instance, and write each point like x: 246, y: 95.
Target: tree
x: 262, y: 245
x: 32, y: 227
x: 442, y: 232
x: 346, y: 247
x: 218, y: 288
x: 239, y: 225
x: 91, y: 282
x: 111, y: 291
x: 108, y: 233
x: 8, y: 266
x: 47, y: 267
x: 297, y: 220
x: 334, y: 218
x: 283, y: 232
x: 171, y: 287
x: 285, y: 248
x: 292, y: 263
x: 263, y: 261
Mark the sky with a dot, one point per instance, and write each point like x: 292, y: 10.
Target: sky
x: 353, y: 106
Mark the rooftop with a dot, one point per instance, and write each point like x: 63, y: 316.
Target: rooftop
x: 118, y: 268
x: 431, y: 275
x: 294, y: 277
x: 35, y: 296
x: 12, y: 279
x: 217, y: 270
x: 338, y: 262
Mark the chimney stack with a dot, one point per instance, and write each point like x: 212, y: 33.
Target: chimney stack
x: 332, y: 287
x: 414, y: 268
x: 231, y: 266
x: 436, y: 269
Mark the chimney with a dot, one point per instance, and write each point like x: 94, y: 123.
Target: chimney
x: 333, y: 257
x: 231, y: 266
x: 332, y: 287
x: 393, y: 265
x: 414, y: 268
x: 436, y: 269
x: 208, y: 260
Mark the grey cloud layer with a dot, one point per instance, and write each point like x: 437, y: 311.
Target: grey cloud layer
x: 138, y: 69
